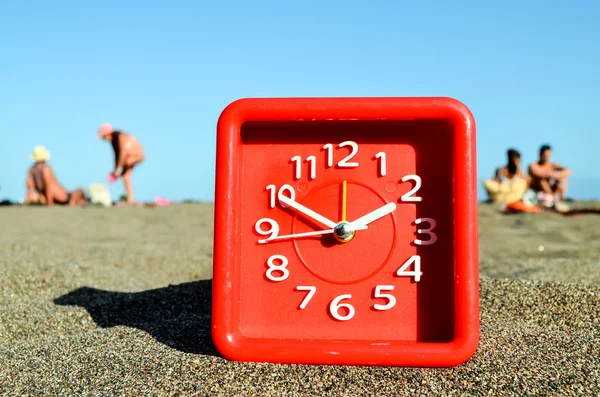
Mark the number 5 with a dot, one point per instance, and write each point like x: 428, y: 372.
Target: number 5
x: 391, y: 299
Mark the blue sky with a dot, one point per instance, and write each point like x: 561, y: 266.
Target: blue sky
x: 528, y: 70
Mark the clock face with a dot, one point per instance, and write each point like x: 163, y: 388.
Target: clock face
x: 344, y: 238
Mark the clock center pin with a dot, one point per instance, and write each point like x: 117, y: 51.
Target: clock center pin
x: 343, y: 232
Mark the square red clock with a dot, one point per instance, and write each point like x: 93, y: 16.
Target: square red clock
x: 346, y: 232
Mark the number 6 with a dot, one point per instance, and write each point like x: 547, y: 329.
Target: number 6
x: 335, y: 305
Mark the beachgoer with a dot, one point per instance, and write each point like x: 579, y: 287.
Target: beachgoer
x: 509, y: 182
x: 548, y: 180
x: 43, y: 186
x: 128, y: 153
x: 511, y: 170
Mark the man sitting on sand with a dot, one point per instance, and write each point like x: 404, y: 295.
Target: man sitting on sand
x: 128, y: 153
x: 43, y: 186
x: 548, y: 180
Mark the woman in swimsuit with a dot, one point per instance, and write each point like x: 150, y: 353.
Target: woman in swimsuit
x: 128, y: 153
x: 511, y: 170
x: 43, y: 186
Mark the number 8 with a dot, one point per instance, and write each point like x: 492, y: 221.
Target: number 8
x: 273, y: 267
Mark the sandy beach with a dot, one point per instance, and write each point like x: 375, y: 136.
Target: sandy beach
x: 99, y: 301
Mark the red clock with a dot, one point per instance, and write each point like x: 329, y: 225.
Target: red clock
x: 346, y: 232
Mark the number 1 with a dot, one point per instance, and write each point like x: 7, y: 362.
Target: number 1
x: 329, y: 148
x: 381, y: 157
x: 298, y: 166
x: 313, y: 166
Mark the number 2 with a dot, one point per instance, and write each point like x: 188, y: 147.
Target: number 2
x: 407, y: 196
x: 344, y: 162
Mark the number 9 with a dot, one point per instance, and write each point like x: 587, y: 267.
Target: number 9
x: 273, y: 230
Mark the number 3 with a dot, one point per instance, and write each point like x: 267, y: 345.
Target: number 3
x: 428, y: 231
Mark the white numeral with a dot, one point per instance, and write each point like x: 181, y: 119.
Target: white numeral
x: 297, y: 160
x: 285, y: 188
x: 281, y: 268
x: 428, y: 231
x: 344, y: 162
x: 407, y: 196
x: 311, y: 291
x: 313, y: 166
x: 271, y: 189
x: 329, y: 148
x: 382, y: 161
x: 391, y: 299
x: 273, y: 230
x: 417, y: 273
x: 335, y: 306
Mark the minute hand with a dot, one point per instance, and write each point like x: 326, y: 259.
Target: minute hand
x: 373, y: 216
x: 306, y: 211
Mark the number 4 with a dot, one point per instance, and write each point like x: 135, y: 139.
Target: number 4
x: 417, y: 273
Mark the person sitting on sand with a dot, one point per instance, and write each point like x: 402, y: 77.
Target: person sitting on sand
x: 44, y: 188
x: 548, y: 180
x: 509, y: 182
x: 511, y: 170
x: 128, y: 153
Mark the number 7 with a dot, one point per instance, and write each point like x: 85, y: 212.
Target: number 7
x: 311, y: 291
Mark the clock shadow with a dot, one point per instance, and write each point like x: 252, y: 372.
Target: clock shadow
x: 435, y: 312
x: 178, y: 316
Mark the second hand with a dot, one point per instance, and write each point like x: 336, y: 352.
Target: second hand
x: 343, y: 201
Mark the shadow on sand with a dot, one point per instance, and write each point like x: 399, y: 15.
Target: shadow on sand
x: 178, y: 316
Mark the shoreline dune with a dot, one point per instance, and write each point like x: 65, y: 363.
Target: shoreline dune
x: 100, y: 301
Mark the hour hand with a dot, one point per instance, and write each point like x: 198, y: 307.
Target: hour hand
x: 306, y: 211
x: 374, y: 215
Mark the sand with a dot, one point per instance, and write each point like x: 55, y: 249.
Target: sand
x: 100, y: 301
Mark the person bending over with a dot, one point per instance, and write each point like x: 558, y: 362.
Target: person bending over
x: 128, y: 153
x: 548, y: 180
x: 43, y: 186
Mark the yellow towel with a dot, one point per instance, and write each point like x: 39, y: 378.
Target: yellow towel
x: 505, y: 192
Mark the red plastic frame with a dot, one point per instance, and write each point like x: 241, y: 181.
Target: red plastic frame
x: 232, y: 345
